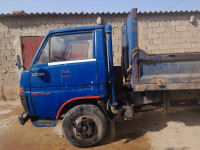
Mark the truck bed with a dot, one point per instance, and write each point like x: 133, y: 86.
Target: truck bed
x: 166, y: 72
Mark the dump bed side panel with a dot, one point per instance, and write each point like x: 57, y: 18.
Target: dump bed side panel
x: 168, y: 72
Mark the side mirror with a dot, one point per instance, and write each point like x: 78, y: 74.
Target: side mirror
x: 18, y: 62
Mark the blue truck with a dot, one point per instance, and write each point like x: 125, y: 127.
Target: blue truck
x: 72, y: 78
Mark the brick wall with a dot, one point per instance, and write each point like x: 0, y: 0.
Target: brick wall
x: 169, y: 33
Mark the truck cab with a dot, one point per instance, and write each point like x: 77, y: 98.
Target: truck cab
x: 70, y: 63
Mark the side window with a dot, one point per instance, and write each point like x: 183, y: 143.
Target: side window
x: 67, y: 47
x: 79, y: 50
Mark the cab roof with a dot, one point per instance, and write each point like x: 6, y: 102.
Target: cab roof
x: 76, y: 29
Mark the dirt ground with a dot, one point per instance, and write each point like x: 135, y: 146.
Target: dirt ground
x: 178, y: 130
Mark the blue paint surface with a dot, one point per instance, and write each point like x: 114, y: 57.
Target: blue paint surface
x: 66, y: 74
x: 108, y: 30
x: 175, y: 69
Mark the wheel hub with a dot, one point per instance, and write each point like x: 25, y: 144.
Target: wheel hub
x: 84, y: 127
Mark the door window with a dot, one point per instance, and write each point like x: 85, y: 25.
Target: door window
x: 67, y: 47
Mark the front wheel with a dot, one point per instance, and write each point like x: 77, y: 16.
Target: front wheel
x: 84, y: 125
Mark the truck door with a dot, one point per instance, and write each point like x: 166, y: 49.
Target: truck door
x: 65, y: 69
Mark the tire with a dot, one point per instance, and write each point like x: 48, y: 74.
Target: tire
x: 84, y: 125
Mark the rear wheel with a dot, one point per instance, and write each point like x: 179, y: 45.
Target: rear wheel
x: 84, y: 125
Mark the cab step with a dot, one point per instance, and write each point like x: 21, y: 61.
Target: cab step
x: 44, y: 123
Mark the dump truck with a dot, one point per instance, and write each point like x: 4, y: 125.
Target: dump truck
x: 72, y: 78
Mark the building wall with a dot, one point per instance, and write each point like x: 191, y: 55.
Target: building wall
x: 158, y: 33
x: 169, y: 33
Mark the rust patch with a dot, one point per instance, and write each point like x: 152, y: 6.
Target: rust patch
x: 134, y: 14
x: 134, y: 28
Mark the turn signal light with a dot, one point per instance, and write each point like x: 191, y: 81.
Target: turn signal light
x: 21, y: 90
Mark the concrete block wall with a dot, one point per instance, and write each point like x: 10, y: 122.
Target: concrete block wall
x: 166, y: 33
x: 12, y: 28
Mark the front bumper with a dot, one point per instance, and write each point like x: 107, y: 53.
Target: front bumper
x: 23, y: 119
x: 25, y: 103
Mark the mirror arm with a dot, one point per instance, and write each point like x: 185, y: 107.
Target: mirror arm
x: 22, y: 66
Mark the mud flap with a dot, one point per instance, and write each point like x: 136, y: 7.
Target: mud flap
x: 112, y: 129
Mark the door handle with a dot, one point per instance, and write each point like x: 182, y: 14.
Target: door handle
x: 38, y: 74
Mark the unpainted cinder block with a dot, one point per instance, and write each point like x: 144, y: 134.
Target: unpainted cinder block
x: 181, y: 28
x: 186, y: 45
x: 153, y: 24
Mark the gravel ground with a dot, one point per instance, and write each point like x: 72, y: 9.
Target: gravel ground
x: 178, y: 130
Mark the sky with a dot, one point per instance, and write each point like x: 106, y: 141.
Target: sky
x: 7, y: 6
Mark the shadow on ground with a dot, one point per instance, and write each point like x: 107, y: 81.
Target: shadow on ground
x: 153, y: 122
